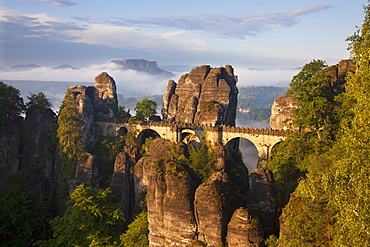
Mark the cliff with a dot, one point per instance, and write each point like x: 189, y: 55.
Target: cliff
x: 182, y: 211
x: 283, y: 107
x: 94, y: 103
x: 150, y: 67
x: 203, y: 96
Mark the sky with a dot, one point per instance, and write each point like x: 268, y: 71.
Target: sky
x: 265, y: 41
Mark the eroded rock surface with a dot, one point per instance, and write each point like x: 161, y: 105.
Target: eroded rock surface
x: 203, y: 96
x: 262, y: 199
x: 95, y: 103
x: 244, y: 230
x: 282, y: 111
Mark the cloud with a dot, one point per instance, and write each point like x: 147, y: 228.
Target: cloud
x: 15, y: 26
x: 264, y: 77
x: 59, y: 3
x: 227, y: 26
x: 54, y: 82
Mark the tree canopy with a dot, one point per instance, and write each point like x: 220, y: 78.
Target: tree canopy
x: 91, y: 220
x: 11, y: 105
x: 38, y: 102
x: 145, y: 109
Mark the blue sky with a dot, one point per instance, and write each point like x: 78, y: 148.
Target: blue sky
x: 262, y: 40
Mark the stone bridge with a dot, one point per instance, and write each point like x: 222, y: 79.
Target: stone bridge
x: 263, y: 139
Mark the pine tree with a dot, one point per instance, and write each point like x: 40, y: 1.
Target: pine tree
x: 69, y: 135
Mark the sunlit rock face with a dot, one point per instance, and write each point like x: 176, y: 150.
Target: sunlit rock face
x: 284, y: 106
x: 98, y: 102
x: 203, y: 96
x: 282, y: 111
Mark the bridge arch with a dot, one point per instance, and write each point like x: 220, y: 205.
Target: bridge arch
x: 189, y: 136
x: 111, y: 130
x: 247, y: 149
x: 145, y: 134
x: 122, y: 131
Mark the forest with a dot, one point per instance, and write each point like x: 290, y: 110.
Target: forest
x: 322, y: 171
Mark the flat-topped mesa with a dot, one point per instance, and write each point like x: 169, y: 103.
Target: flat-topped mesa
x: 203, y: 96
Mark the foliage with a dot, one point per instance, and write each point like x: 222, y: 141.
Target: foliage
x: 201, y: 160
x: 69, y: 135
x: 308, y: 217
x: 22, y: 212
x: 90, y: 220
x: 210, y: 106
x: 316, y: 99
x: 145, y: 109
x: 38, y: 102
x: 122, y: 113
x: 11, y: 106
x: 137, y: 233
x: 348, y: 183
x: 106, y: 151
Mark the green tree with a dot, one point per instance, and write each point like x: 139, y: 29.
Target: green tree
x: 38, y: 102
x: 69, y: 135
x: 91, y: 220
x: 316, y: 99
x: 348, y: 181
x: 137, y: 233
x: 106, y: 151
x: 146, y: 109
x: 23, y: 213
x: 11, y: 106
x: 201, y: 160
x: 122, y: 113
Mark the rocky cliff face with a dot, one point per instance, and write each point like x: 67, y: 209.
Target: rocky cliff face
x: 204, y: 96
x: 182, y: 211
x: 284, y: 106
x: 282, y: 111
x: 38, y: 147
x: 94, y: 103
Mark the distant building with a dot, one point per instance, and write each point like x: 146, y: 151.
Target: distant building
x: 244, y: 110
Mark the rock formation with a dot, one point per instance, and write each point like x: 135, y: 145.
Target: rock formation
x: 282, y: 111
x: 203, y: 96
x: 283, y: 107
x: 150, y: 67
x: 213, y: 200
x: 262, y: 199
x: 182, y: 211
x: 244, y: 230
x: 38, y: 147
x: 95, y: 103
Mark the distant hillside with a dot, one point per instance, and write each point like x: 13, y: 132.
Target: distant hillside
x: 254, y: 105
x: 22, y: 67
x: 150, y: 67
x: 65, y: 66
